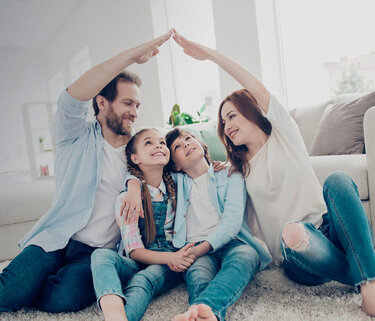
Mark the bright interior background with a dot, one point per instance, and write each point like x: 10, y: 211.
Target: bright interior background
x: 304, y: 51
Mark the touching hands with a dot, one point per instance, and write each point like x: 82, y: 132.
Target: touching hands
x: 182, y: 259
x: 145, y: 51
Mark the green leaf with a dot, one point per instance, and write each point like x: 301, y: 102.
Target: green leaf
x: 176, y: 108
x: 202, y: 109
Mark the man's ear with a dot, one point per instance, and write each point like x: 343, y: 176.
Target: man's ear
x: 134, y: 159
x: 101, y: 101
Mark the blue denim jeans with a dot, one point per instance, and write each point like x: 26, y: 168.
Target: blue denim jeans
x: 342, y: 249
x: 136, y: 283
x: 56, y: 281
x: 218, y: 279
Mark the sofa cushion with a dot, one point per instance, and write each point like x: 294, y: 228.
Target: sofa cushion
x: 353, y: 165
x: 25, y: 201
x: 340, y: 130
x: 307, y: 119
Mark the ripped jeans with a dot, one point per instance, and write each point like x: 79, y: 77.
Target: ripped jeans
x: 342, y: 248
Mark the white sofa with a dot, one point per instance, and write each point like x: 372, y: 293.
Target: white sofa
x: 360, y: 167
x: 23, y: 203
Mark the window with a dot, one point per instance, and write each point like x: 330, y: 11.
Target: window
x: 183, y: 80
x: 327, y: 48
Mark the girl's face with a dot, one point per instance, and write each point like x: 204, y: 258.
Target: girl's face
x: 186, y: 151
x: 237, y: 128
x: 151, y: 149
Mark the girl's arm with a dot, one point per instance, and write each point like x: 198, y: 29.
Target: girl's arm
x: 181, y: 259
x: 95, y: 79
x: 245, y: 78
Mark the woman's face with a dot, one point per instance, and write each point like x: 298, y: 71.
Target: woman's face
x: 237, y: 128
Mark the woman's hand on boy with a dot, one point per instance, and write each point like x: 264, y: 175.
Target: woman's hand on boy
x: 182, y: 259
x: 218, y: 166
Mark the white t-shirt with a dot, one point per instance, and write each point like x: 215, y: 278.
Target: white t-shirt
x: 101, y: 229
x: 282, y: 184
x: 201, y: 215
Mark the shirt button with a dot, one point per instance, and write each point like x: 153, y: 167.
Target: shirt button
x: 184, y: 215
x: 187, y: 200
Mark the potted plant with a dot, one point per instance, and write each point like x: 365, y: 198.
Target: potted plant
x: 41, y: 144
x: 178, y: 118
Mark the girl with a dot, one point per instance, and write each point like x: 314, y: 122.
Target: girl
x: 316, y: 239
x: 148, y: 244
x: 210, y: 213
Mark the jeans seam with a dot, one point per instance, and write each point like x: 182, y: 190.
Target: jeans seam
x: 346, y: 233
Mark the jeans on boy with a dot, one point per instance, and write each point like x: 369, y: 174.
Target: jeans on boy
x: 342, y: 249
x: 50, y: 281
x: 218, y: 279
x: 136, y: 283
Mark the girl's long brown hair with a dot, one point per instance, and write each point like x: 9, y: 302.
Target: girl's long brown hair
x: 248, y: 107
x: 146, y: 200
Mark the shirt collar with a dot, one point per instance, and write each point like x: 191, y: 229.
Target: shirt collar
x: 155, y: 190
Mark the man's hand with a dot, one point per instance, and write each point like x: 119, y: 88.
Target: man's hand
x: 182, y: 259
x: 191, y: 48
x: 145, y: 51
x: 131, y: 208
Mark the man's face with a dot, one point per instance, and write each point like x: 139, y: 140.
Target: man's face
x: 123, y: 111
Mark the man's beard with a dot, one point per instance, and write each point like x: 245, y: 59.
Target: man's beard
x: 114, y: 122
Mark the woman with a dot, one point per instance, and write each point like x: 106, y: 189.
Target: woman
x: 316, y: 237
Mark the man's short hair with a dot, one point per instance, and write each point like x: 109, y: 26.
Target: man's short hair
x: 109, y: 92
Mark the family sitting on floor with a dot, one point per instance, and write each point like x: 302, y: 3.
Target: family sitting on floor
x: 135, y: 214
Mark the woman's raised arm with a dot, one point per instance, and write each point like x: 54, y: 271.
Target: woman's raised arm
x: 244, y: 77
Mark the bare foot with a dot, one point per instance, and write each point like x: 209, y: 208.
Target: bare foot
x: 205, y: 313
x: 190, y: 315
x: 113, y: 308
x: 368, y: 298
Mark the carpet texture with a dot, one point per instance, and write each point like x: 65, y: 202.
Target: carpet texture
x: 270, y: 296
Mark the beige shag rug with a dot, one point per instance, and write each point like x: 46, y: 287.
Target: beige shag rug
x: 270, y: 296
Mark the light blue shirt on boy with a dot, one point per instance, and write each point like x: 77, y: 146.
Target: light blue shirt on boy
x: 78, y: 169
x: 228, y: 195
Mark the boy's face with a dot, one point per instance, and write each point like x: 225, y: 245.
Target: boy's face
x: 186, y: 151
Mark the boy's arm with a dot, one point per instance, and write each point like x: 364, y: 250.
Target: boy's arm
x: 232, y: 216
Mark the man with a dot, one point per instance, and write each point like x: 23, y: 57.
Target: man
x: 52, y: 273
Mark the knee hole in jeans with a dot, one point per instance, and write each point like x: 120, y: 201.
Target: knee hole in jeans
x: 295, y: 237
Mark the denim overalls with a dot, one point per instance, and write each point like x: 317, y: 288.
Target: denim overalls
x: 113, y: 272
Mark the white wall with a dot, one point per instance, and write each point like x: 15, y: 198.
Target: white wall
x: 236, y: 37
x: 22, y: 79
x: 109, y: 27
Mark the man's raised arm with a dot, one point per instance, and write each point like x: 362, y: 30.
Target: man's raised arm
x: 95, y: 79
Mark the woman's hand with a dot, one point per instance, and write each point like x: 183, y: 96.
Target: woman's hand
x: 218, y: 166
x: 182, y: 259
x: 191, y: 48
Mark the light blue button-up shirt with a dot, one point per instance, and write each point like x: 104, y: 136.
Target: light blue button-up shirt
x: 78, y: 169
x: 228, y: 195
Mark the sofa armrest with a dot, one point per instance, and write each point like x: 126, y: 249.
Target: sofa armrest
x: 369, y: 133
